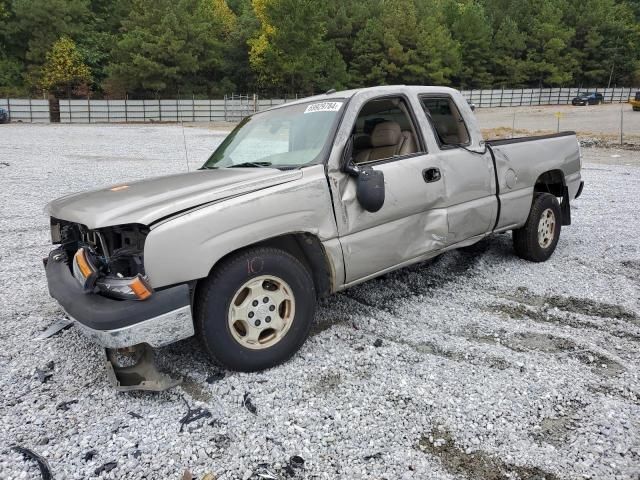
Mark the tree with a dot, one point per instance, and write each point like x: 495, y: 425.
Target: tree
x: 168, y: 47
x: 606, y: 41
x: 64, y: 69
x: 550, y: 59
x: 290, y: 49
x: 470, y: 27
x: 509, y: 47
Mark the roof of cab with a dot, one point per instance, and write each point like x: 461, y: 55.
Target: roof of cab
x: 382, y: 89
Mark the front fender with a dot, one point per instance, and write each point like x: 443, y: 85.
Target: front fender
x: 186, y: 247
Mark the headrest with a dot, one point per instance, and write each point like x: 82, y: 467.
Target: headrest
x: 360, y: 142
x: 385, y: 134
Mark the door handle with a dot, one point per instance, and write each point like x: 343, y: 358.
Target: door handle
x: 431, y: 174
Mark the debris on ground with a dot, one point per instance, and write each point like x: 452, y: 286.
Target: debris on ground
x: 192, y: 415
x: 43, y: 375
x: 106, y: 468
x: 134, y: 415
x: 55, y: 328
x: 215, y: 376
x: 43, y: 465
x: 89, y: 455
x: 248, y: 404
x: 377, y: 343
x: 64, y: 406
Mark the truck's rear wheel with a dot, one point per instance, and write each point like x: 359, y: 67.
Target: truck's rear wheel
x: 537, y: 239
x: 255, y: 310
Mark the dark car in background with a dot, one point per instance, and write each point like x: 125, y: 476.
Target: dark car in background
x: 4, y: 116
x: 588, y: 98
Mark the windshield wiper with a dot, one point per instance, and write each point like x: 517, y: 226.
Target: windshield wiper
x: 251, y: 164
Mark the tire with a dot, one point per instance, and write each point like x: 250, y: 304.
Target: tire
x: 636, y: 109
x: 245, y: 278
x: 528, y: 243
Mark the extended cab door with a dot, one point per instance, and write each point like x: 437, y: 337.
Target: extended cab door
x: 412, y: 221
x: 467, y: 169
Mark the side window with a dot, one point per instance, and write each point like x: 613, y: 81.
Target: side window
x: 446, y: 120
x: 384, y: 129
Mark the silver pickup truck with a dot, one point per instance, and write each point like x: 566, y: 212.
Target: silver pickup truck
x: 298, y: 202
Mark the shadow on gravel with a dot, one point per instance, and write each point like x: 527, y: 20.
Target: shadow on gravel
x: 478, y: 464
x: 387, y: 292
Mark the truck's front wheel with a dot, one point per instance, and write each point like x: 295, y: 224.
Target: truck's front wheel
x: 255, y: 310
x: 537, y: 239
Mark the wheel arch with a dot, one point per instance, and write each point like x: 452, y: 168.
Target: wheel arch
x: 307, y: 248
x: 553, y: 182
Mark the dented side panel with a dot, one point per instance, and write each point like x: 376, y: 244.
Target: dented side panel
x: 413, y: 219
x: 518, y: 167
x: 188, y: 246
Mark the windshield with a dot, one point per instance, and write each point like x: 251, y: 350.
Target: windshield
x: 285, y: 137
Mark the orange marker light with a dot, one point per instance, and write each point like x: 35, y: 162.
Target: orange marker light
x: 140, y: 289
x: 83, y: 265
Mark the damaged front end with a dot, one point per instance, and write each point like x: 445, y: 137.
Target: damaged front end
x: 98, y: 277
x: 107, y: 261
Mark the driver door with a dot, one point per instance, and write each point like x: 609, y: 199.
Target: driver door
x: 413, y: 221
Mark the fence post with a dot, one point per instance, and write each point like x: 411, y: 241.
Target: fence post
x: 193, y: 108
x: 126, y: 111
x: 89, y: 108
x: 621, y: 122
x: 30, y: 112
x: 160, y: 110
x: 108, y: 111
x: 501, y: 95
x: 225, y: 107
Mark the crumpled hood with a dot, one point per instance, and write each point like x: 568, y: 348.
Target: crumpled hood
x: 146, y: 201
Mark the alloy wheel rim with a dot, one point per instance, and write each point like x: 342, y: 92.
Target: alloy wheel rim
x: 261, y: 312
x: 546, y: 228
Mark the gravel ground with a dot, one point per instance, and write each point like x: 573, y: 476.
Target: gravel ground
x: 475, y: 365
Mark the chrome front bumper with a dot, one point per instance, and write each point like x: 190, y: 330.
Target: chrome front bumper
x: 162, y: 319
x: 157, y: 332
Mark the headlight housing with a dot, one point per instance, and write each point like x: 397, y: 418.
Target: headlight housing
x: 136, y: 288
x: 125, y: 288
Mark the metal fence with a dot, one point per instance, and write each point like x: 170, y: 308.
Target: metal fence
x: 26, y: 109
x: 233, y: 108
x: 230, y: 109
x: 542, y: 96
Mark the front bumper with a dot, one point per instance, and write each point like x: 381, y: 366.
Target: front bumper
x: 162, y: 319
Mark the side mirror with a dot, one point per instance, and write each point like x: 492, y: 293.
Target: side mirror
x: 369, y: 182
x: 472, y: 106
x: 370, y: 189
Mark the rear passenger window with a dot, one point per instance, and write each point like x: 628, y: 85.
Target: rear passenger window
x: 384, y: 130
x: 447, y: 122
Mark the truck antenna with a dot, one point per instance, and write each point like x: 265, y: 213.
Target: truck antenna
x: 184, y: 138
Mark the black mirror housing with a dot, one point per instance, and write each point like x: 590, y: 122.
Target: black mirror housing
x: 370, y: 189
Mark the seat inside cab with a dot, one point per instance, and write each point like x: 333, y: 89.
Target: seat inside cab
x: 383, y: 129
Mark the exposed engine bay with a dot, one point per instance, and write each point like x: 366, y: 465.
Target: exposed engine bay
x: 109, y: 261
